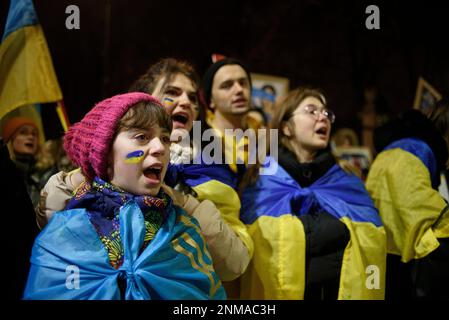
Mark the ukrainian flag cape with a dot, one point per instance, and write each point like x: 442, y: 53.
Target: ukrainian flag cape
x: 216, y: 183
x: 69, y: 261
x: 271, y: 207
x: 403, y: 181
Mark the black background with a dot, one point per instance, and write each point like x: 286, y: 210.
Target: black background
x: 316, y: 42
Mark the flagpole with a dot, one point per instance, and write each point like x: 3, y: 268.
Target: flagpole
x: 62, y: 114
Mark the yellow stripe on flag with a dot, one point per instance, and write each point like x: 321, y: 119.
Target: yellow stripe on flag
x: 26, y: 70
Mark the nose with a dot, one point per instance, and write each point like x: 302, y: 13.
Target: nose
x: 238, y: 87
x: 321, y: 116
x: 184, y: 100
x: 157, y: 147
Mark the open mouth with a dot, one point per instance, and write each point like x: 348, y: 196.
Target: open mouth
x: 29, y: 145
x: 180, y: 117
x: 322, y: 131
x: 153, y: 172
x: 240, y: 101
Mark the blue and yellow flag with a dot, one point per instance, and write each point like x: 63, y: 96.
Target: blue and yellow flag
x: 69, y: 261
x: 216, y: 183
x: 26, y: 70
x: 403, y: 183
x: 270, y: 209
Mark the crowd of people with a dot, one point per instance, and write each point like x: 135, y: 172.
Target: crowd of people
x: 138, y: 213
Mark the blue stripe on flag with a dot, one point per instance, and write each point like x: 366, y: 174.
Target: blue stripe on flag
x: 21, y: 14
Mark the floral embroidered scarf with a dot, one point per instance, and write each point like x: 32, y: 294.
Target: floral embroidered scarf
x: 103, y: 201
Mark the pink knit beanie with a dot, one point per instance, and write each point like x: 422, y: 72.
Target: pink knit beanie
x: 88, y: 142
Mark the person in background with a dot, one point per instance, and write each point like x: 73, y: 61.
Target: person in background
x: 17, y: 245
x: 257, y: 119
x: 374, y: 113
x: 403, y: 182
x: 344, y: 138
x: 22, y: 138
x: 268, y: 100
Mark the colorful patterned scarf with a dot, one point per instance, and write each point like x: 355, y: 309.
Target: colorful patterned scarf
x: 103, y: 202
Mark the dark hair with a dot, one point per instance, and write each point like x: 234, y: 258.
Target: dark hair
x: 209, y: 75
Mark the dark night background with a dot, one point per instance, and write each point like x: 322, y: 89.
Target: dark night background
x: 321, y: 43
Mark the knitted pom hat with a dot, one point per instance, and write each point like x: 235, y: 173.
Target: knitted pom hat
x: 13, y: 124
x: 88, y: 142
x: 208, y: 78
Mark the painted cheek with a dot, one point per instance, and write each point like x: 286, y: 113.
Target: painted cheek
x: 168, y: 103
x: 134, y: 157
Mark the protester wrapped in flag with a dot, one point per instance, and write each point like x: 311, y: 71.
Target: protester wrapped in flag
x: 403, y: 182
x: 120, y: 234
x: 70, y: 262
x: 271, y: 209
x: 316, y: 232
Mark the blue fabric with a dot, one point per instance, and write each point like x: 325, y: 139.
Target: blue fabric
x: 422, y: 151
x: 161, y: 271
x: 336, y: 192
x: 21, y: 14
x: 195, y: 174
x: 102, y: 202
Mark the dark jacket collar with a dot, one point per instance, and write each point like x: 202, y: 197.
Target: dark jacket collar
x: 305, y: 173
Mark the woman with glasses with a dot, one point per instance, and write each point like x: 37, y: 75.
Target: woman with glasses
x: 316, y: 232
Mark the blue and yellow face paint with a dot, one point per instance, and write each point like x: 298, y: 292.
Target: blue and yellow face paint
x: 168, y: 102
x: 134, y: 157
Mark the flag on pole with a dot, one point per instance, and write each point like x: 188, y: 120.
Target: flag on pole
x: 27, y: 76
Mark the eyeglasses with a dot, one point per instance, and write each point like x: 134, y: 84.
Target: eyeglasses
x: 313, y: 110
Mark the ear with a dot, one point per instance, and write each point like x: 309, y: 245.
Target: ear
x: 212, y: 104
x: 286, y: 129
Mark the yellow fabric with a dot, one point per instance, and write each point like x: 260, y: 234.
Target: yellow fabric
x: 365, y: 251
x: 277, y: 270
x: 233, y: 149
x: 227, y: 202
x: 26, y: 70
x: 413, y: 213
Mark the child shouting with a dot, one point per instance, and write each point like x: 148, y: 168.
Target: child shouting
x: 120, y: 236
